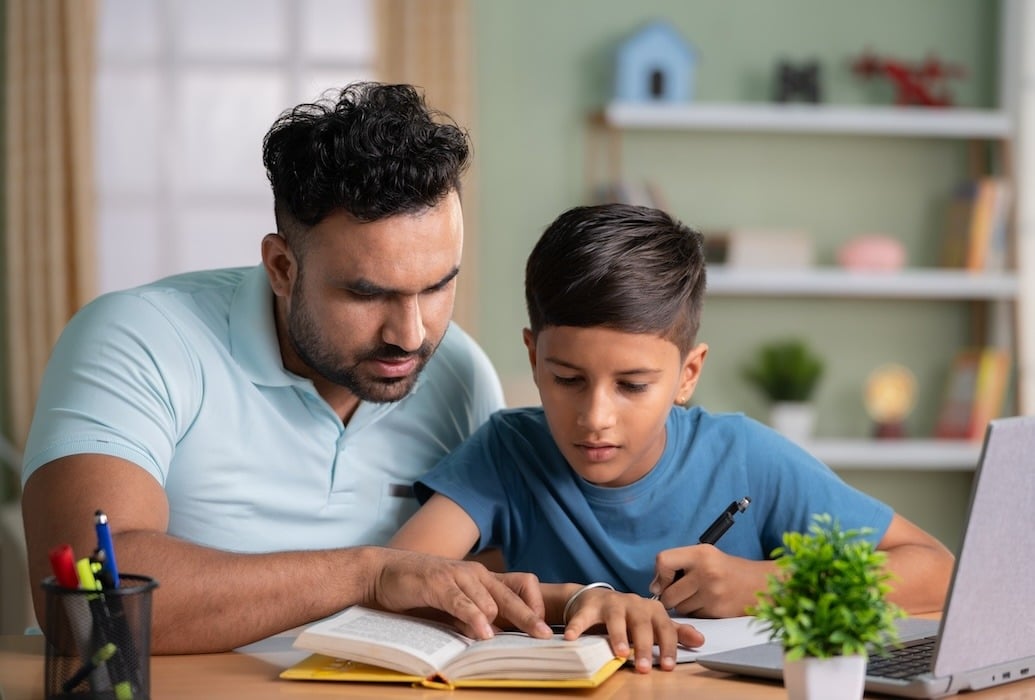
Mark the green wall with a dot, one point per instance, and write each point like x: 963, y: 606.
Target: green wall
x: 8, y: 483
x: 543, y: 66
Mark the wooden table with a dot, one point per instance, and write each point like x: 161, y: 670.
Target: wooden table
x: 254, y: 677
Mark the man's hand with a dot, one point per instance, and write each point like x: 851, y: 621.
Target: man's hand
x: 632, y: 619
x: 471, y: 594
x: 714, y: 584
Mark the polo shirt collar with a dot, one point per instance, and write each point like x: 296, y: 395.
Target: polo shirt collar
x: 253, y: 332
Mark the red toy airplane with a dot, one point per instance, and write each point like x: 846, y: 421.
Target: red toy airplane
x: 913, y: 81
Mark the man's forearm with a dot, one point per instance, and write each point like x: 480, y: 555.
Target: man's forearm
x: 209, y: 600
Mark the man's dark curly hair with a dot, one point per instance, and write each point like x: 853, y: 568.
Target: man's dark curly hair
x: 375, y: 151
x: 628, y: 268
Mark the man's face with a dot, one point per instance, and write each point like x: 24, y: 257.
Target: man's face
x: 370, y: 302
x: 606, y: 395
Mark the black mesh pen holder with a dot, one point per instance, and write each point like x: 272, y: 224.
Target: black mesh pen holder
x: 98, y: 643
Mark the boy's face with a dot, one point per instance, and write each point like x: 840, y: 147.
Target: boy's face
x: 606, y: 395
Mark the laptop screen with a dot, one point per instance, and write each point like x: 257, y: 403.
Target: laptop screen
x: 990, y: 614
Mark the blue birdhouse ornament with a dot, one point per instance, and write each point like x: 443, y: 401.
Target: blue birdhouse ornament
x: 655, y: 64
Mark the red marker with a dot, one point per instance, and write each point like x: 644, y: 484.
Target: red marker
x: 62, y: 561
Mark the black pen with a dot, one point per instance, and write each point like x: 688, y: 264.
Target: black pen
x: 722, y: 523
x: 100, y: 656
x: 716, y: 530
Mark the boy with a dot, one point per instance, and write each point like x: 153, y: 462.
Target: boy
x: 613, y: 479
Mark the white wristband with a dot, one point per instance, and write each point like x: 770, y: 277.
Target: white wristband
x: 576, y: 594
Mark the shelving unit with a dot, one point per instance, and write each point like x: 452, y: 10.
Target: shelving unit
x: 1000, y: 290
x: 916, y: 455
x: 918, y: 283
x: 917, y: 122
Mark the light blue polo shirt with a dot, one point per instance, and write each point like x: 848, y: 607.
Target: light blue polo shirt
x: 184, y: 378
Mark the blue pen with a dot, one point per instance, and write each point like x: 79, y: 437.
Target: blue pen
x: 104, y: 543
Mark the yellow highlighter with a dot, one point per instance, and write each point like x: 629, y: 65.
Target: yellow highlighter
x: 120, y: 679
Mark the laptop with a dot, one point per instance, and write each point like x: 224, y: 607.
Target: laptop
x: 986, y: 635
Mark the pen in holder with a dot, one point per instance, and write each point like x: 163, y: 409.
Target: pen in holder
x: 98, y: 642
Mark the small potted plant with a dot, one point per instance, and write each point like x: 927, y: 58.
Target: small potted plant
x: 787, y: 373
x: 827, y: 607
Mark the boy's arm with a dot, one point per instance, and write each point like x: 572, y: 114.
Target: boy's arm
x: 920, y: 564
x: 439, y: 527
x: 716, y: 584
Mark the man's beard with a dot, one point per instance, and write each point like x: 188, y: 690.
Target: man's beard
x: 303, y: 333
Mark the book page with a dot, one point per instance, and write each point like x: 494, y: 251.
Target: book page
x: 515, y: 655
x: 720, y: 635
x: 399, y: 642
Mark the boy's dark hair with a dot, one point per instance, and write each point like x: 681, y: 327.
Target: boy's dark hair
x: 632, y: 269
x: 374, y: 150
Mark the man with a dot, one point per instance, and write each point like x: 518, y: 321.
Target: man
x: 245, y: 430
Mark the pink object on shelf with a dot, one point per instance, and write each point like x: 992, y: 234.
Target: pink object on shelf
x: 872, y: 252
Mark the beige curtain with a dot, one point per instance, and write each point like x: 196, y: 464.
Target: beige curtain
x: 48, y: 228
x: 428, y: 43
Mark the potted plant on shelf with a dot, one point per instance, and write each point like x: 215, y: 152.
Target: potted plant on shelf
x: 827, y: 607
x: 787, y: 373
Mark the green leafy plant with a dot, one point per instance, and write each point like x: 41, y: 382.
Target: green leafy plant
x: 828, y: 597
x: 785, y: 370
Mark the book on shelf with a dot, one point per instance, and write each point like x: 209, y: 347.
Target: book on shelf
x: 367, y: 645
x: 974, y: 393
x: 977, y: 225
x: 759, y: 247
x: 644, y: 193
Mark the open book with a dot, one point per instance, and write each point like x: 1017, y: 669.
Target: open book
x: 369, y: 645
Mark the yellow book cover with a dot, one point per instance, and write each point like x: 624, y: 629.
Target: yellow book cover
x: 367, y: 645
x: 990, y: 389
x: 981, y: 222
x: 956, y: 236
x: 974, y: 393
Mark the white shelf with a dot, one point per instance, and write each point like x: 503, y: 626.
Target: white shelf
x: 917, y: 455
x: 916, y: 283
x: 933, y: 122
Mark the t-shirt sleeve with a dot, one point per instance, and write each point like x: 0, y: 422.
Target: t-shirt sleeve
x: 792, y: 486
x: 472, y: 476
x: 119, y: 382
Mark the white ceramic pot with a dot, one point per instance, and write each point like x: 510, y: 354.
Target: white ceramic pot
x: 796, y: 420
x: 836, y: 678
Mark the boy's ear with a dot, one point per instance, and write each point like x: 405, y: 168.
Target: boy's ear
x: 693, y: 363
x: 526, y: 335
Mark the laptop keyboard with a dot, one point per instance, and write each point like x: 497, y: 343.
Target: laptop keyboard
x: 903, y: 662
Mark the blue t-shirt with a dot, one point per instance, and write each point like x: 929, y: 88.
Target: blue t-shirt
x: 184, y: 378
x: 525, y: 499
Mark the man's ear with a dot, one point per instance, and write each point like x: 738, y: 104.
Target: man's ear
x: 529, y: 338
x: 693, y: 363
x: 279, y: 261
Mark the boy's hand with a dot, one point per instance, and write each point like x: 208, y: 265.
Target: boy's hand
x: 632, y: 620
x: 713, y: 584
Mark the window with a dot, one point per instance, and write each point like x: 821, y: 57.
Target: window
x: 185, y: 91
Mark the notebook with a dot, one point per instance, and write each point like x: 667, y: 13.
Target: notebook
x: 986, y: 635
